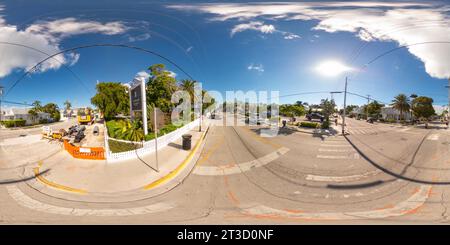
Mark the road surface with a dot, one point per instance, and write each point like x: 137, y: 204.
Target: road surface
x: 378, y: 175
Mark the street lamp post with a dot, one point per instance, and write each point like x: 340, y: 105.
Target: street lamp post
x: 448, y: 108
x: 345, y: 105
x: 1, y: 97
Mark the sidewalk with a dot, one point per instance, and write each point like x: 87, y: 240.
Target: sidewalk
x: 96, y: 178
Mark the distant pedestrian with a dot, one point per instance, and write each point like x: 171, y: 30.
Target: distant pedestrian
x: 336, y: 121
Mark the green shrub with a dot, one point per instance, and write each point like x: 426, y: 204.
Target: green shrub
x: 43, y: 121
x: 309, y: 124
x: 391, y: 120
x: 14, y: 123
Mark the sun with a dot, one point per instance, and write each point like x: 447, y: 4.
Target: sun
x: 332, y: 68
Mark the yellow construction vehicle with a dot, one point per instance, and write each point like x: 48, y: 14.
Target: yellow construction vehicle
x: 85, y: 116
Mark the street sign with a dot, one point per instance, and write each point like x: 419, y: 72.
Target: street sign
x: 138, y: 100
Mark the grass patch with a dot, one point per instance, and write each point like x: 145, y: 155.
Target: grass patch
x: 117, y: 146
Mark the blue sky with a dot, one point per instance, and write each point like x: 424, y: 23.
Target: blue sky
x: 228, y: 46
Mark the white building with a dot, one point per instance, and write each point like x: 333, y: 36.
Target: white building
x: 389, y: 112
x: 22, y: 113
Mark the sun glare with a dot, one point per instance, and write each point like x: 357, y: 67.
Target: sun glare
x: 332, y: 68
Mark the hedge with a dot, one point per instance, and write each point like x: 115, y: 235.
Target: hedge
x: 14, y: 123
x: 309, y: 124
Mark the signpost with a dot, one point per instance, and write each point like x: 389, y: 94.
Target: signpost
x: 138, y: 101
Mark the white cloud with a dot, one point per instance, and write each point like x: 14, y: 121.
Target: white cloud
x: 172, y: 74
x: 142, y: 74
x: 189, y: 49
x: 255, y: 26
x: 70, y: 26
x: 258, y: 68
x: 141, y: 37
x: 45, y: 37
x: 401, y: 22
x: 290, y: 36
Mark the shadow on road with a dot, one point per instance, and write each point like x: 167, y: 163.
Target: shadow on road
x: 6, y: 182
x: 358, y: 186
x: 396, y: 175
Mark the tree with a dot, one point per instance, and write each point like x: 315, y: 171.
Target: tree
x: 402, y: 103
x: 53, y: 110
x: 37, y: 105
x: 374, y: 108
x: 111, y: 99
x: 422, y: 107
x: 67, y: 105
x: 328, y: 108
x: 350, y: 108
x: 188, y: 86
x: 160, y: 87
x: 292, y: 110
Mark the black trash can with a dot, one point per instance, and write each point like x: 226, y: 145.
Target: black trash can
x: 186, y: 141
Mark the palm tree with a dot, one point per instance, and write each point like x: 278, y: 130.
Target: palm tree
x: 37, y: 105
x: 401, y: 103
x: 127, y: 130
x: 67, y: 105
x: 188, y: 86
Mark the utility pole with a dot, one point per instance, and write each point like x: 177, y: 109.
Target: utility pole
x: 1, y: 97
x: 367, y: 107
x: 345, y: 105
x: 156, y: 137
x: 448, y: 107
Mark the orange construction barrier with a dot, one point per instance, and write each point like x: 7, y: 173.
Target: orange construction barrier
x: 92, y: 153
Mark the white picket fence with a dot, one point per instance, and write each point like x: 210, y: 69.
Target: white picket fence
x: 148, y: 146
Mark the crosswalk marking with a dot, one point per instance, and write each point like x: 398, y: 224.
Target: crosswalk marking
x: 433, y: 137
x: 336, y: 150
x: 332, y: 157
x: 336, y: 145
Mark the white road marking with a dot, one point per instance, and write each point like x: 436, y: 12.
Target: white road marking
x: 341, y: 178
x: 33, y: 204
x: 332, y: 157
x: 239, y: 168
x: 337, y: 145
x: 336, y: 150
x: 412, y: 203
x: 433, y: 137
x: 351, y: 156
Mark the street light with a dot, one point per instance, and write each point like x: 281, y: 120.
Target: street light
x: 1, y: 96
x: 334, y: 68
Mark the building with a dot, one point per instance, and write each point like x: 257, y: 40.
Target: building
x: 22, y: 113
x: 390, y: 113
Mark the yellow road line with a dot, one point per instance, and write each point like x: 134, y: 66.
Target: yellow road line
x: 55, y: 185
x: 180, y: 167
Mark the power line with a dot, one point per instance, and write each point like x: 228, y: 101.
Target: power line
x: 91, y: 46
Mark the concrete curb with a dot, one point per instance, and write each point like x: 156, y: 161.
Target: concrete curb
x: 158, y: 187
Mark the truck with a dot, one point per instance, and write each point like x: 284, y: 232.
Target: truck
x: 85, y: 116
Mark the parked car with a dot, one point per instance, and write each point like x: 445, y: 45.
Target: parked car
x: 313, y: 116
x: 371, y: 120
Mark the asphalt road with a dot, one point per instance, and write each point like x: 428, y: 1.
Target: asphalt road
x: 377, y: 174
